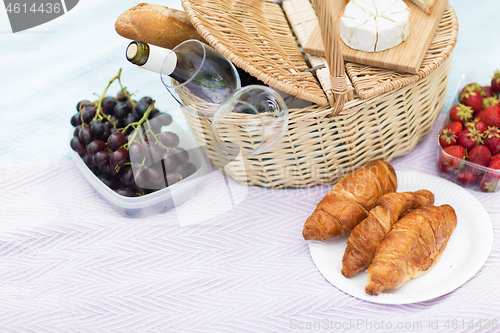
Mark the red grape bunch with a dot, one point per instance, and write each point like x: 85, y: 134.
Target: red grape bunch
x: 120, y: 140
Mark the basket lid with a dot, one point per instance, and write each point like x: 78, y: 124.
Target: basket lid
x: 369, y: 81
x: 255, y: 36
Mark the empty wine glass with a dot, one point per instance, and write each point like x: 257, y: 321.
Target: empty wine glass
x: 250, y: 121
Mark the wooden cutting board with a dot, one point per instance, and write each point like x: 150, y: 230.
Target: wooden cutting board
x: 406, y: 57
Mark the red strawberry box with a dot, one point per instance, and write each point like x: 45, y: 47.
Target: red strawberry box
x: 469, y: 138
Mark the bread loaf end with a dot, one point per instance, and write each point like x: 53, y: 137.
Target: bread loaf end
x: 157, y: 25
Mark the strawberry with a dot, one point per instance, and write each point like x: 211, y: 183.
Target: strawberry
x: 469, y: 138
x: 447, y: 138
x: 479, y: 155
x: 454, y: 155
x: 488, y: 92
x: 455, y: 126
x: 493, y: 171
x: 494, y: 164
x: 481, y: 126
x: 461, y: 113
x: 474, y: 86
x: 495, y: 82
x: 471, y: 97
x: 466, y: 176
x: 490, y: 101
x: 495, y: 156
x: 492, y: 139
x: 471, y: 123
x: 490, y: 116
x: 489, y: 181
x: 444, y: 166
x: 477, y: 124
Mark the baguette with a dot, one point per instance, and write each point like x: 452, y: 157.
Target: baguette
x: 157, y: 25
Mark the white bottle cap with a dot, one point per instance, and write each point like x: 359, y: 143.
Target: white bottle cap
x: 159, y: 58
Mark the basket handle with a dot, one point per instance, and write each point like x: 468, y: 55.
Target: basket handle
x: 333, y: 53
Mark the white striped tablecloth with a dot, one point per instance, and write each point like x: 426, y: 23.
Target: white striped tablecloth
x: 70, y: 263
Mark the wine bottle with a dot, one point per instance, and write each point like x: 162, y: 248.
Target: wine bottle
x: 196, y: 66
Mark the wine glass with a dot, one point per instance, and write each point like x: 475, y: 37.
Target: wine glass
x: 250, y: 121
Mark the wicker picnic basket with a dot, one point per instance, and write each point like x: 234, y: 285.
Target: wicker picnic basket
x: 359, y: 113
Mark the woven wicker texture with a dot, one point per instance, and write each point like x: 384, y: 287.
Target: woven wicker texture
x: 318, y: 148
x: 255, y: 36
x: 371, y: 81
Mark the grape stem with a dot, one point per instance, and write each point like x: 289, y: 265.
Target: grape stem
x: 99, y: 113
x: 138, y: 124
x: 124, y: 90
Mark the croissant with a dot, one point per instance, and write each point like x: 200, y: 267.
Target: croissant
x: 349, y: 201
x: 412, y: 247
x: 368, y: 234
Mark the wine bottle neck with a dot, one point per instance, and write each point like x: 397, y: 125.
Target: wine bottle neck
x: 151, y: 57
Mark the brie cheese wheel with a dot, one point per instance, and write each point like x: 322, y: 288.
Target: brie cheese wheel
x: 374, y: 25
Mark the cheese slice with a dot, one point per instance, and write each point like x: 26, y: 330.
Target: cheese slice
x: 374, y: 25
x: 425, y: 5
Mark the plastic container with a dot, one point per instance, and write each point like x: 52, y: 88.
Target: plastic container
x: 463, y: 172
x: 158, y: 201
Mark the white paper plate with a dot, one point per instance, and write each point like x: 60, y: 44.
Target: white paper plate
x: 467, y: 250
